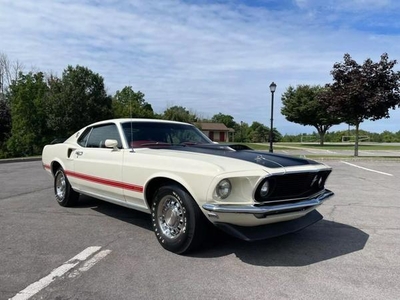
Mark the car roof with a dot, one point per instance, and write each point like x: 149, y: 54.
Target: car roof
x: 125, y: 120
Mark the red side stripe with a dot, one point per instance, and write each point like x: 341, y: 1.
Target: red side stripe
x: 117, y: 184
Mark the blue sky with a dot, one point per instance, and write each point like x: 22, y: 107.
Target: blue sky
x: 208, y: 56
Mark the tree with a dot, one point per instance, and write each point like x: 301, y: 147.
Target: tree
x: 127, y: 103
x: 227, y: 120
x: 362, y: 92
x: 259, y: 132
x: 276, y: 135
x: 5, y: 121
x: 76, y: 100
x: 9, y: 72
x: 28, y: 130
x: 301, y: 105
x: 179, y: 113
x: 242, y: 132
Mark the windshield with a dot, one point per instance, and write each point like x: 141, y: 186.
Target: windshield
x: 148, y: 134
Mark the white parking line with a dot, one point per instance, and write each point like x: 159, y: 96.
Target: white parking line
x: 391, y: 152
x: 366, y: 152
x: 37, y: 286
x: 319, y: 151
x: 90, y: 263
x: 379, y: 172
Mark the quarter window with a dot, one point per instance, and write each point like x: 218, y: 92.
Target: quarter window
x: 100, y: 134
x: 82, y: 140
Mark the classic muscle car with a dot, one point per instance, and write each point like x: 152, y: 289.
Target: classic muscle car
x: 174, y: 172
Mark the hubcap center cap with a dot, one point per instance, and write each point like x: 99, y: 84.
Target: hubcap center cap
x: 171, y: 217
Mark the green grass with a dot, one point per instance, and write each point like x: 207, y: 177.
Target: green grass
x: 329, y: 146
x: 288, y: 146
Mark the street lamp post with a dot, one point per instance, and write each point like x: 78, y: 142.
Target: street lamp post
x: 272, y: 88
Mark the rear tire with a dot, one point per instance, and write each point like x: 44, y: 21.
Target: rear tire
x: 63, y: 191
x: 178, y: 222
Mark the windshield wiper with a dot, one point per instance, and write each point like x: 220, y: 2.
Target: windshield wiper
x: 189, y: 143
x: 155, y: 144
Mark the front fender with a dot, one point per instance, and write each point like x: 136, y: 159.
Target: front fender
x: 196, y: 185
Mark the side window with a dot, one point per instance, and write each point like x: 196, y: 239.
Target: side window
x: 100, y: 134
x: 140, y: 135
x: 82, y: 140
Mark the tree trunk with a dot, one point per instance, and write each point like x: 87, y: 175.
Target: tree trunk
x: 321, y: 138
x: 356, y: 142
x: 321, y: 131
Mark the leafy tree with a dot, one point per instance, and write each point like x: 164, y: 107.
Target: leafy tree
x: 276, y: 135
x: 227, y: 120
x: 242, y: 132
x: 29, y: 130
x: 336, y: 136
x: 127, y: 103
x: 301, y: 105
x: 8, y: 73
x: 288, y: 138
x: 76, y: 100
x: 5, y: 121
x: 179, y: 113
x: 259, y: 132
x: 362, y: 92
x: 388, y: 137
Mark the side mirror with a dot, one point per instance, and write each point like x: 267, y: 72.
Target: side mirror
x: 111, y: 144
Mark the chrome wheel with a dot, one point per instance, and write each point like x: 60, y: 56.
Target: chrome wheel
x: 60, y: 186
x: 63, y: 191
x: 177, y: 220
x: 171, y: 217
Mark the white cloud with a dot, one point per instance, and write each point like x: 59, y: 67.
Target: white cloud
x: 346, y: 5
x: 209, y: 58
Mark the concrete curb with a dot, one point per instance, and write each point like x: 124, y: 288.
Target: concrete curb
x: 20, y: 159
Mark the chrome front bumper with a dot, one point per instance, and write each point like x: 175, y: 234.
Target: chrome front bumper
x: 269, y: 209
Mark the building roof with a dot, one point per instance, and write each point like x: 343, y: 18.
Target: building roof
x: 213, y: 126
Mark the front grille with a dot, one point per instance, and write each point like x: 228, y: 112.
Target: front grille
x: 293, y: 186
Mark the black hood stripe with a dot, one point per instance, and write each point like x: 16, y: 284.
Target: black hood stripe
x: 266, y: 159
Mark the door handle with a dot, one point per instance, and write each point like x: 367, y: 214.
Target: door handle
x: 79, y: 153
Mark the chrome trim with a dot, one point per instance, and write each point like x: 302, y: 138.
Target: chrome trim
x: 281, y: 208
x: 285, y: 172
x: 213, y: 215
x: 292, y: 199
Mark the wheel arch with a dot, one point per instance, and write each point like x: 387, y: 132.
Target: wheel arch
x: 156, y: 182
x: 54, y: 166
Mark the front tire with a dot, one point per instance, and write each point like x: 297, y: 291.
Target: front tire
x: 63, y: 191
x: 178, y: 222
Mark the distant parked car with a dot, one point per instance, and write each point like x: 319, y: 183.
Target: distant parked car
x: 172, y: 171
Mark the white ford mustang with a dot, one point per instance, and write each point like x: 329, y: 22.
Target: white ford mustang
x: 172, y: 171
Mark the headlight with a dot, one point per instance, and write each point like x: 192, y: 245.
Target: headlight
x: 264, y: 189
x: 224, y: 188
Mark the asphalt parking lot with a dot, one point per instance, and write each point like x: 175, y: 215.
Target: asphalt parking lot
x: 101, y: 251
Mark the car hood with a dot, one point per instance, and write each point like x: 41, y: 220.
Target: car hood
x: 208, y: 153
x: 266, y: 159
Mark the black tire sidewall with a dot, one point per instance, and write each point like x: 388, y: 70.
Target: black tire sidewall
x: 70, y: 196
x: 182, y: 243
